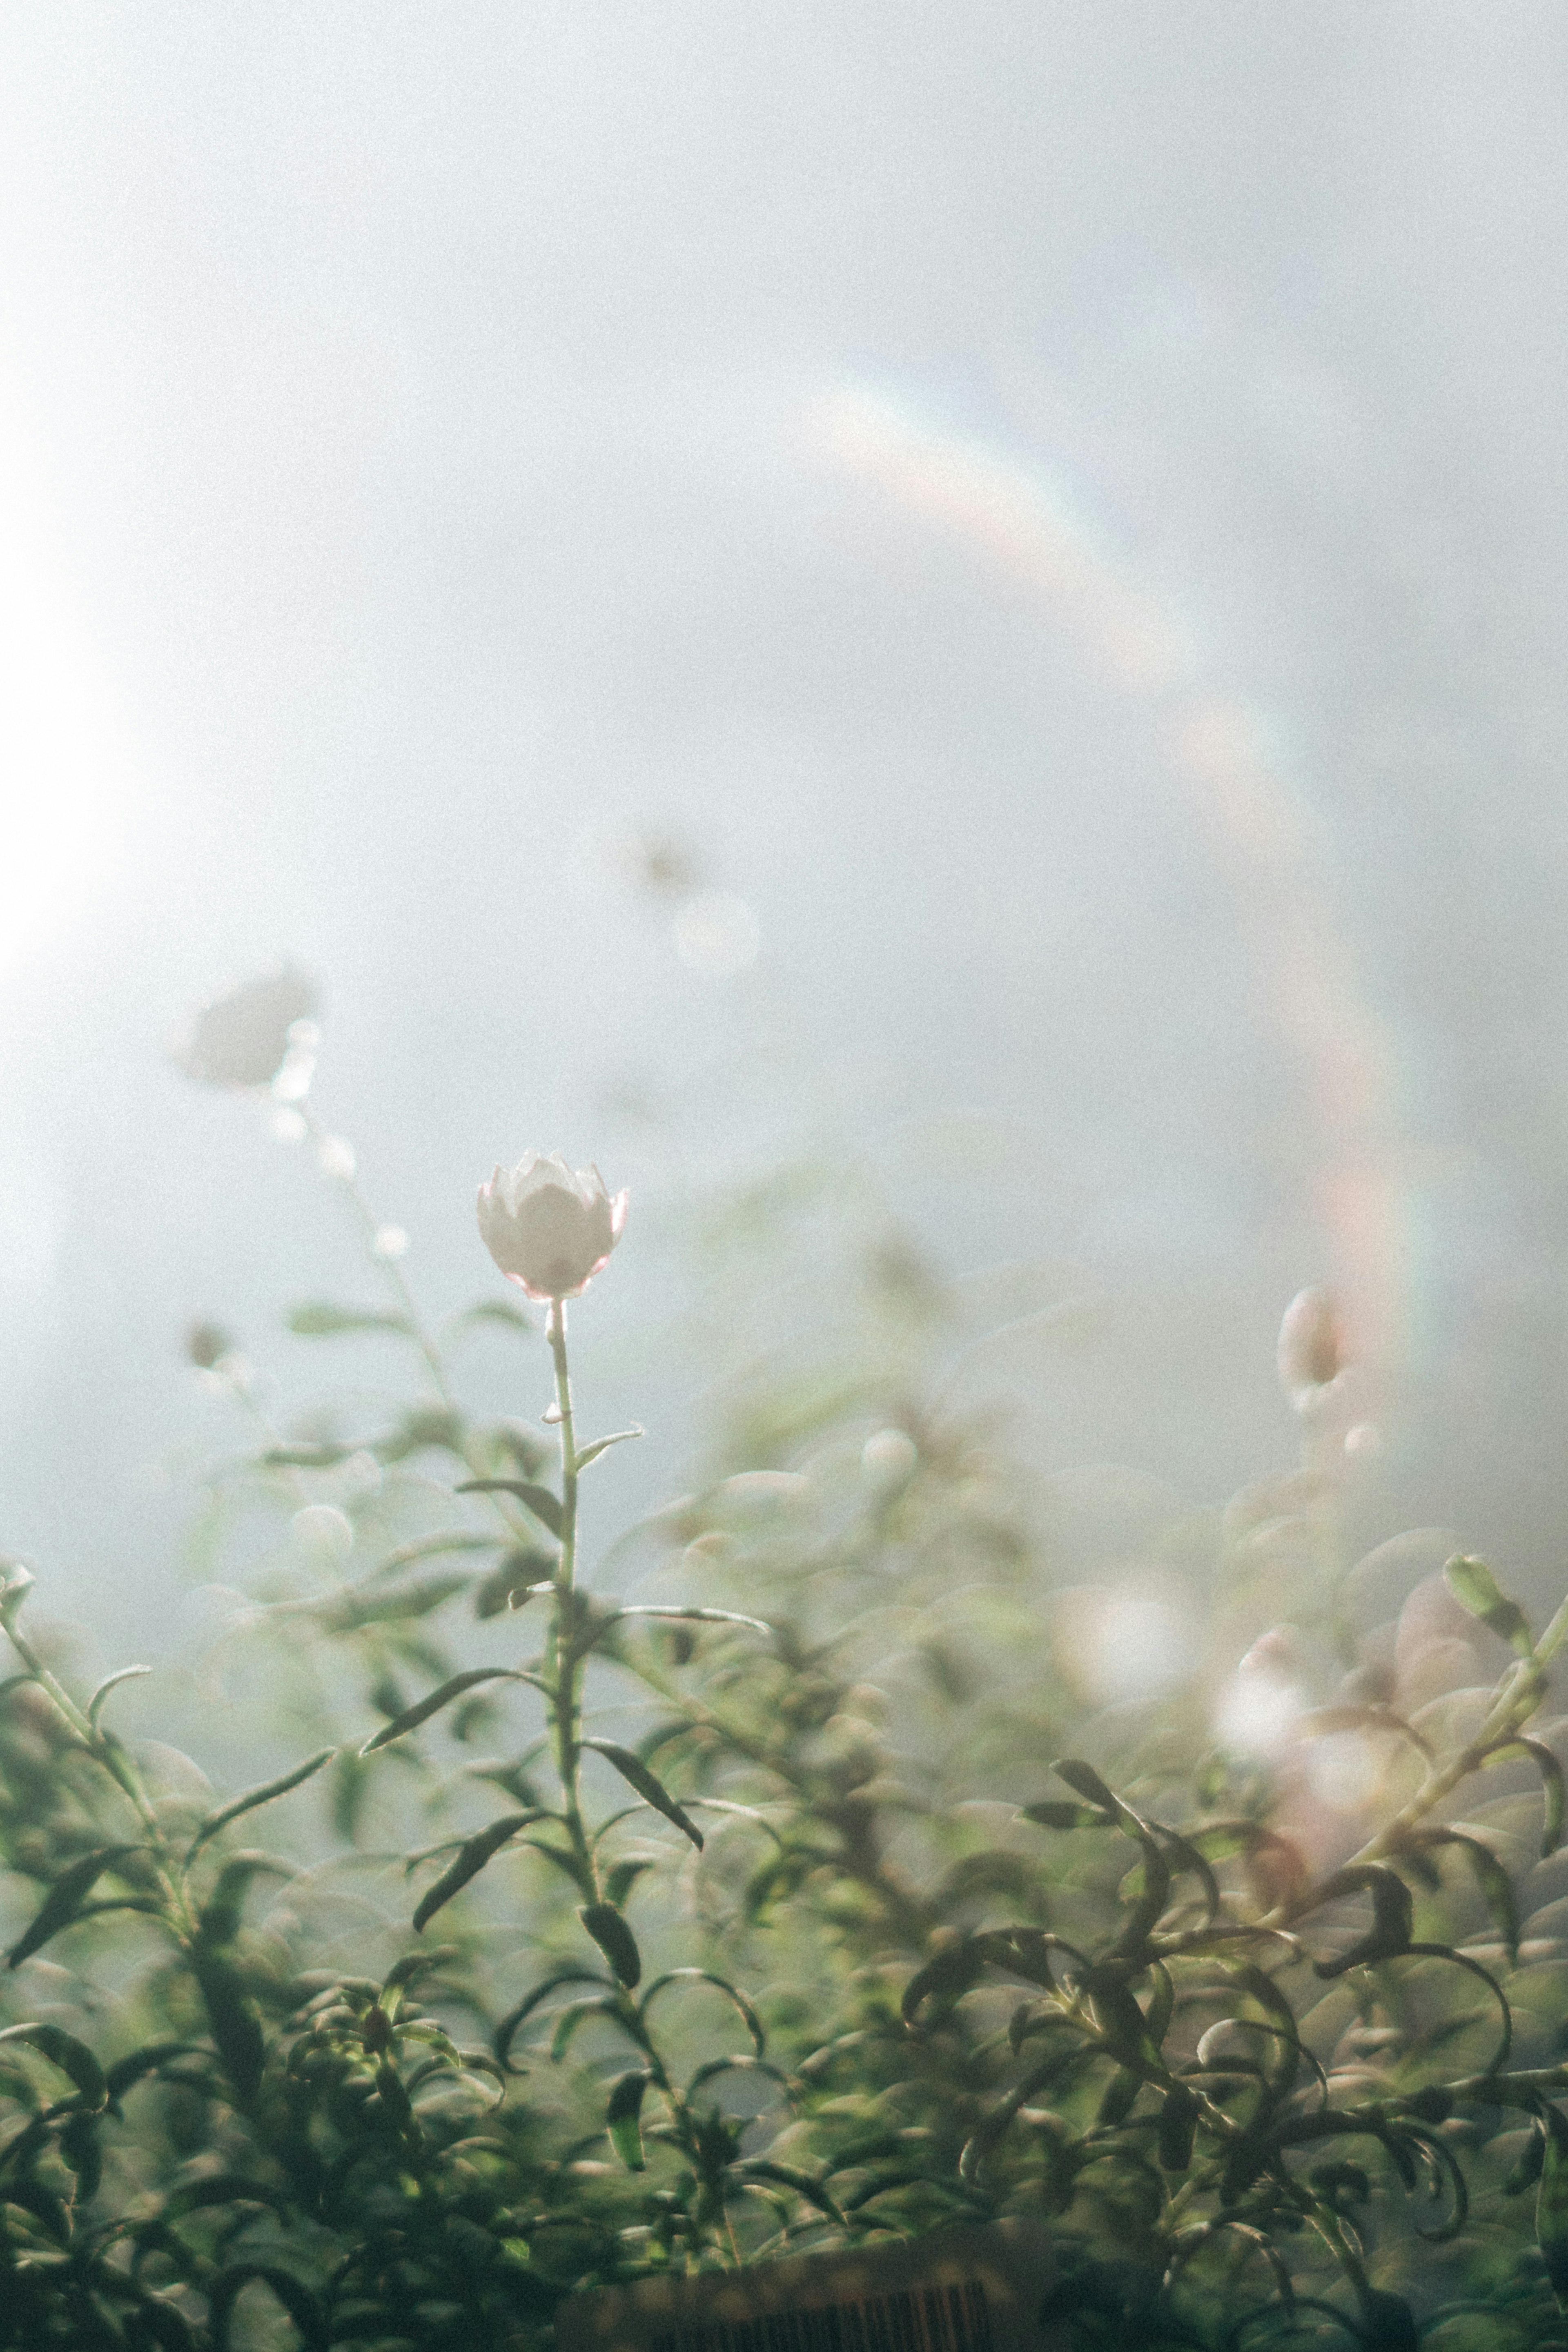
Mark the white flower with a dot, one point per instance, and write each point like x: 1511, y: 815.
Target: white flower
x: 550, y: 1231
x: 245, y: 1038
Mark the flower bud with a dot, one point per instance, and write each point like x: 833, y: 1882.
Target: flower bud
x: 243, y: 1039
x: 1313, y: 1351
x: 550, y: 1231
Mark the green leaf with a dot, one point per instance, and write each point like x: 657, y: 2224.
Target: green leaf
x: 1052, y: 1813
x: 220, y: 2189
x: 1475, y: 1588
x: 224, y: 2292
x: 492, y: 1310
x: 506, y: 2030
x: 295, y: 1778
x: 737, y: 1999
x: 319, y: 1319
x: 64, y: 1899
x: 1552, y: 1784
x: 434, y: 1425
x: 614, y: 1939
x: 355, y: 1607
x: 232, y: 2020
x: 679, y: 1612
x: 648, y: 1786
x: 1391, y: 1915
x: 411, y: 1717
x: 1495, y: 1885
x: 471, y: 1859
x: 1087, y: 1783
x: 522, y: 1576
x: 1388, y: 2325
x: 945, y: 1978
x: 125, y: 1674
x: 127, y: 2072
x: 220, y: 1915
x: 72, y: 2057
x: 763, y: 2168
x: 1178, y: 2126
x: 620, y: 1879
x: 545, y: 1506
x: 1121, y: 2097
x: 623, y: 2118
x: 603, y: 1444
x: 81, y: 2151
x: 1552, y: 2204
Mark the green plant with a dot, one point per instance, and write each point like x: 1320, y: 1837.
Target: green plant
x: 768, y: 1920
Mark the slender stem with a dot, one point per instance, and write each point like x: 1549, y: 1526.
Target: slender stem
x: 107, y: 1753
x: 390, y: 1268
x: 1514, y: 1702
x: 566, y: 1673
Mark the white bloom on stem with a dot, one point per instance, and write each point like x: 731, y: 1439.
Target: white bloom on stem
x: 550, y: 1230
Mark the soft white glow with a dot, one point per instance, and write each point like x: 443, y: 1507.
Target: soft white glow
x: 1344, y: 1770
x: 717, y: 934
x: 63, y: 772
x: 322, y: 1529
x: 1258, y: 1711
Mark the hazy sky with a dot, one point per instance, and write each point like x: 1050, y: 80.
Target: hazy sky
x: 1065, y: 506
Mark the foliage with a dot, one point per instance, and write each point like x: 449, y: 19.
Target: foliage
x: 767, y: 1920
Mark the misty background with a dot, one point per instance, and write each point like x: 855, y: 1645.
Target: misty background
x: 979, y: 590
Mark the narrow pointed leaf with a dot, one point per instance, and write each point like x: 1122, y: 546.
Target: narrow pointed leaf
x: 112, y: 1682
x: 545, y: 1506
x: 471, y: 1859
x: 648, y: 1786
x: 232, y: 2020
x: 223, y: 2291
x: 1178, y: 2123
x: 1391, y: 1915
x: 293, y: 1778
x: 754, y: 2024
x: 763, y: 2169
x: 321, y: 1319
x: 434, y: 1701
x: 1493, y: 1880
x: 72, y: 2057
x: 64, y: 1899
x: 603, y: 1444
x: 129, y: 2071
x: 623, y: 2118
x: 1551, y: 1785
x: 221, y: 1913
x: 614, y: 1939
x: 1087, y: 1783
x: 1056, y: 1814
x: 506, y: 2030
x: 945, y: 1978
x: 679, y: 1612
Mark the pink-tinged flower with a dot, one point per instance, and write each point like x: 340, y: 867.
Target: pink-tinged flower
x: 1313, y: 1353
x: 550, y: 1231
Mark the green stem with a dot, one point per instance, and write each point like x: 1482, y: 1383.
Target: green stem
x: 112, y: 1758
x: 389, y: 1267
x: 566, y: 1673
x: 1515, y: 1701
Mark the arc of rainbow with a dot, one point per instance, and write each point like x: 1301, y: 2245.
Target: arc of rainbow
x: 1005, y: 508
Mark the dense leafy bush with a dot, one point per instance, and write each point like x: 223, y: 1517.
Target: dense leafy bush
x: 733, y: 1899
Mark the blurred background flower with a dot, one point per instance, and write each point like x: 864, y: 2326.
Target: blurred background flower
x: 977, y: 595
